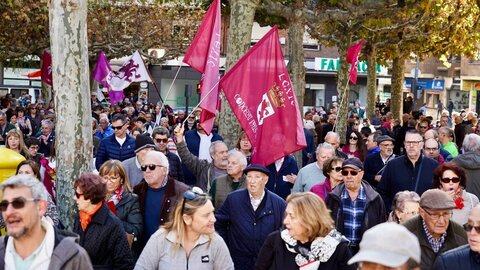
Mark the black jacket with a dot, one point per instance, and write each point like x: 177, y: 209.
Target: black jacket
x: 459, y: 258
x: 374, y: 208
x: 275, y: 256
x: 128, y: 211
x: 105, y: 241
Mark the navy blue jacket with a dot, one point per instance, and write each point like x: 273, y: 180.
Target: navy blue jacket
x: 372, y: 165
x: 111, y: 149
x: 400, y: 175
x: 245, y: 230
x: 192, y: 139
x: 459, y: 258
x: 275, y: 180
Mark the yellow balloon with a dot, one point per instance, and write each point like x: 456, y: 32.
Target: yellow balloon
x: 9, y: 161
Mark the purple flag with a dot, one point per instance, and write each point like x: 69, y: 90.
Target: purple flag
x: 116, y: 96
x: 102, y: 70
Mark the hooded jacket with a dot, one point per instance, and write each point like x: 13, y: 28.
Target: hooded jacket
x: 470, y: 162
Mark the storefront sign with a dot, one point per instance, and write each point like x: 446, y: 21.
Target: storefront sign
x: 332, y: 64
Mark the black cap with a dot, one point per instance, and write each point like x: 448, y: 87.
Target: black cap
x: 353, y: 163
x: 257, y: 168
x: 142, y: 142
x: 384, y: 138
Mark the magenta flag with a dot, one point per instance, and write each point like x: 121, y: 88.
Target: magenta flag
x: 116, y: 96
x: 203, y: 55
x: 352, y: 58
x: 260, y: 92
x: 46, y: 68
x: 102, y: 70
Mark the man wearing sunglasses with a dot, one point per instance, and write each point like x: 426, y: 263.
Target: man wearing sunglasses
x: 157, y: 194
x: 433, y: 227
x: 161, y: 137
x: 465, y: 257
x: 355, y: 206
x: 412, y: 171
x: 32, y: 242
x: 119, y: 145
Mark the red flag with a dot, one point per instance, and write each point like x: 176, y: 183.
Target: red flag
x: 34, y: 74
x: 204, y: 56
x: 260, y: 92
x: 47, y: 68
x: 352, y: 58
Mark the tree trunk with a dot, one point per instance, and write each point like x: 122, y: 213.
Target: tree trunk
x: 371, y: 81
x: 296, y: 59
x: 398, y: 71
x: 68, y: 38
x: 239, y: 39
x: 343, y: 91
x: 1, y: 72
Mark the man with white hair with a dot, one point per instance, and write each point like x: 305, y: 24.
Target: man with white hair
x: 470, y: 162
x: 333, y: 139
x: 465, y: 257
x: 233, y: 180
x: 157, y: 194
x: 388, y: 246
x: 31, y: 241
x: 46, y: 138
x: 312, y: 174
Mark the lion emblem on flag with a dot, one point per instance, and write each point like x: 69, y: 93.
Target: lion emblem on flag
x: 274, y: 98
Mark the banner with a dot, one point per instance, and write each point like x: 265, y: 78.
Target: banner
x: 102, y: 70
x: 133, y: 70
x: 46, y: 68
x: 203, y: 55
x: 260, y: 92
x: 352, y: 58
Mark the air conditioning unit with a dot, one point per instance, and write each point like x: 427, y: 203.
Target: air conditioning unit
x: 156, y: 53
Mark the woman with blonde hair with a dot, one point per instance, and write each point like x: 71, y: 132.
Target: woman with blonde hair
x: 14, y: 141
x: 309, y: 240
x: 120, y: 199
x: 187, y: 238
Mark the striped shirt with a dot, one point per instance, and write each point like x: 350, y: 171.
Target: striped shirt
x: 353, y: 214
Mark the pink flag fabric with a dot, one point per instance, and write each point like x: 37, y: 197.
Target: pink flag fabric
x: 260, y: 92
x: 102, y: 70
x: 47, y: 68
x: 203, y: 55
x: 352, y: 58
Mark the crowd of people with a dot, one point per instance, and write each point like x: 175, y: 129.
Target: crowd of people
x: 165, y: 194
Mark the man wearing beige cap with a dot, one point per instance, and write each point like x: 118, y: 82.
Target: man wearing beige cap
x: 433, y: 227
x: 388, y: 246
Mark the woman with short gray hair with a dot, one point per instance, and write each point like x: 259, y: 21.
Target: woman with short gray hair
x: 404, y: 206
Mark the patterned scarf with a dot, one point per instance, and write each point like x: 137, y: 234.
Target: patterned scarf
x: 86, y: 217
x: 114, y: 199
x: 435, y: 243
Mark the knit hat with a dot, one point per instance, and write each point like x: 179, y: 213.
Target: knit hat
x: 142, y: 142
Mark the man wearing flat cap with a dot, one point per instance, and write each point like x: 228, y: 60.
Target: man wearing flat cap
x: 433, y: 227
x: 375, y: 163
x: 355, y: 206
x: 248, y: 216
x: 388, y: 246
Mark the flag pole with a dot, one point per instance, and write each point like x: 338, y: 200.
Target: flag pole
x: 154, y: 84
x: 203, y: 98
x: 169, y: 89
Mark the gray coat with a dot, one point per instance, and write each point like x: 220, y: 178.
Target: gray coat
x: 470, y: 162
x: 201, y: 168
x: 67, y: 253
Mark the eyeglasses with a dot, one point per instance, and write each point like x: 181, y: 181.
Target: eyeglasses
x: 353, y: 173
x: 118, y: 127
x: 386, y: 145
x: 337, y: 169
x: 355, y: 124
x: 191, y: 195
x: 17, y: 203
x: 433, y: 149
x: 111, y: 178
x: 412, y: 143
x: 354, y: 138
x: 468, y: 228
x: 423, y: 127
x: 436, y: 217
x: 161, y: 140
x: 78, y: 195
x: 447, y: 180
x: 413, y: 213
x: 151, y: 167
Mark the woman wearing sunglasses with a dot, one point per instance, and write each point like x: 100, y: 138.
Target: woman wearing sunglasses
x: 188, y: 240
x: 309, y: 240
x: 355, y: 146
x: 332, y: 169
x: 101, y: 233
x: 452, y: 179
x: 120, y: 199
